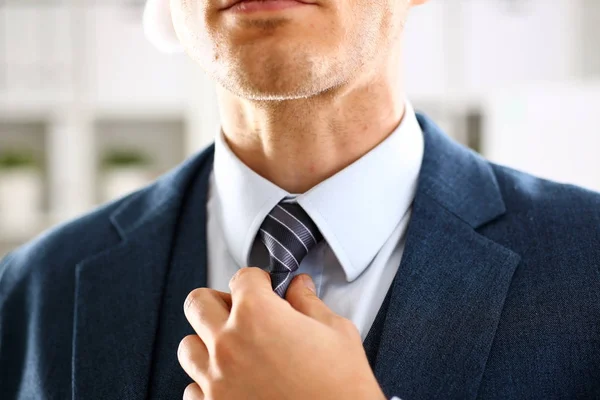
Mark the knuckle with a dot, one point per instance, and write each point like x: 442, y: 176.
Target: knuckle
x: 240, y: 272
x: 197, y: 298
x: 193, y: 361
x: 184, y: 349
x: 191, y: 392
x: 243, y: 272
x: 192, y: 298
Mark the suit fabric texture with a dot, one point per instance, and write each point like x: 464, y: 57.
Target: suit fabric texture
x: 497, y: 295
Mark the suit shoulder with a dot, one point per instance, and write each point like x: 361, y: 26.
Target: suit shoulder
x: 541, y: 198
x: 546, y: 219
x: 56, y: 251
x: 59, y: 250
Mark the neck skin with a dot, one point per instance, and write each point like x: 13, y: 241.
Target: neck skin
x: 296, y: 144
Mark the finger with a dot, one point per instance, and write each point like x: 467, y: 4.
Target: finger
x: 207, y: 311
x: 193, y: 357
x: 249, y: 280
x: 193, y: 392
x: 226, y: 297
x: 301, y: 295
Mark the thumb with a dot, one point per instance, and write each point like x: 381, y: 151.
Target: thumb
x: 301, y: 295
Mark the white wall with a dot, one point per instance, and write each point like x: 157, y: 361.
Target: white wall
x: 424, y: 56
x: 552, y: 131
x: 471, y: 47
x: 532, y: 41
x: 589, y: 45
x: 124, y: 68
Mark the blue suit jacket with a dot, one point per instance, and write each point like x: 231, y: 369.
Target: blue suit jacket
x: 497, y: 295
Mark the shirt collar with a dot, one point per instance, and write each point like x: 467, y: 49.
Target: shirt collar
x: 356, y: 210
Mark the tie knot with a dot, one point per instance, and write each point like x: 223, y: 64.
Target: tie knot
x: 288, y: 233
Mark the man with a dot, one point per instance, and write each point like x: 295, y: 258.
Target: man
x: 435, y: 274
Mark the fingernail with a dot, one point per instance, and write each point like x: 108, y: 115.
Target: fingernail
x: 308, y: 282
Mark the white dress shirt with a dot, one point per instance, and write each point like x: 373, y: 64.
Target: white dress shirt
x: 362, y: 211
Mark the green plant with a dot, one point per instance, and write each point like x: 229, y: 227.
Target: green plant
x: 13, y: 159
x: 124, y: 158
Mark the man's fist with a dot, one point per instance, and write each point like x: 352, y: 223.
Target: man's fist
x: 254, y: 345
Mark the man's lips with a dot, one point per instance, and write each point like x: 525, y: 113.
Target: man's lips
x: 230, y: 3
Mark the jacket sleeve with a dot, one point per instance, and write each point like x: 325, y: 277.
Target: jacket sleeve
x: 11, y: 335
x: 36, y: 318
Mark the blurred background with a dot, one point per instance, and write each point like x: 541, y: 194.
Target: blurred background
x: 91, y: 110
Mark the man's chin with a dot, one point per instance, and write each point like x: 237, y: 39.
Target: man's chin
x: 273, y: 96
x: 265, y: 90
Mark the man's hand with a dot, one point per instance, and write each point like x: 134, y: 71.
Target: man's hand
x: 254, y: 345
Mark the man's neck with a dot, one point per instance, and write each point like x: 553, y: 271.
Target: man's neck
x: 297, y: 144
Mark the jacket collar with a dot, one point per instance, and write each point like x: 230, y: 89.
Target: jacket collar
x: 458, y: 179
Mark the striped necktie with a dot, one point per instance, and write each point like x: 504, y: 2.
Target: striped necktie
x: 288, y: 234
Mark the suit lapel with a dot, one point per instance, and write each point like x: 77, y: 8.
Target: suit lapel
x: 445, y: 305
x: 119, y: 291
x: 448, y: 295
x: 187, y: 272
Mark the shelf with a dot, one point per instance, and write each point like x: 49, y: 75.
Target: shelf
x: 158, y: 143
x: 28, y: 137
